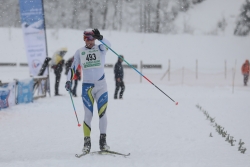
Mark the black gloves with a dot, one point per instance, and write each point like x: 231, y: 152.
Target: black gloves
x: 68, y: 86
x: 97, y: 34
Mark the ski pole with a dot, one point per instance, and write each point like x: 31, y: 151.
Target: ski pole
x: 74, y: 108
x: 138, y: 72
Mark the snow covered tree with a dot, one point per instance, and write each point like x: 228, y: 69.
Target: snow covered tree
x: 243, y: 23
x: 184, y: 5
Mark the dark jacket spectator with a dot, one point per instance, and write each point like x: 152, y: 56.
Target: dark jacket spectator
x: 118, y: 70
x: 57, y: 66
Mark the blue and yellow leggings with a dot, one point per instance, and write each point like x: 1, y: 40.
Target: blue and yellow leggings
x: 95, y: 92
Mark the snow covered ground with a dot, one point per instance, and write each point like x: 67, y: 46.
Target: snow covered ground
x: 146, y: 123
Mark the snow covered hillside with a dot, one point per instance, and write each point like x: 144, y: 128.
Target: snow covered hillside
x: 203, y: 18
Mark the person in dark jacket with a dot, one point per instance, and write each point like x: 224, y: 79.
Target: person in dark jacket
x: 57, y: 66
x: 118, y: 70
x: 77, y: 75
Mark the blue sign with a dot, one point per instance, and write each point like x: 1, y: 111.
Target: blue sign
x: 25, y: 91
x: 33, y: 25
x: 32, y: 13
x: 4, y: 94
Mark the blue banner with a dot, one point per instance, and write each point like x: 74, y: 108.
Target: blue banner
x: 25, y: 91
x: 4, y: 93
x: 8, y: 95
x: 33, y: 25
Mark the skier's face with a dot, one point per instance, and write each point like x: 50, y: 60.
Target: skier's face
x: 88, y: 38
x: 89, y: 42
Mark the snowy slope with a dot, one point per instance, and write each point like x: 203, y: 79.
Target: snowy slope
x: 183, y: 50
x: 204, y: 17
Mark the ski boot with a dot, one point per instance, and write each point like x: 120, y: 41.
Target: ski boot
x: 87, y: 145
x: 103, y: 143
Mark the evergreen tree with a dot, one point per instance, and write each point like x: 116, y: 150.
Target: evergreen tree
x: 243, y: 23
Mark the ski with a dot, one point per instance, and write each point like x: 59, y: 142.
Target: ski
x: 80, y: 155
x: 107, y: 152
x: 113, y: 153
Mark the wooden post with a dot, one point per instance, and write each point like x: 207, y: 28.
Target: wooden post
x: 16, y: 82
x: 225, y: 69
x: 182, y: 81
x: 141, y: 72
x: 169, y: 70
x: 166, y: 71
x: 164, y: 74
x: 196, y: 69
x: 234, y: 70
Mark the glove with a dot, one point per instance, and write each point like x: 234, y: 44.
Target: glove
x: 68, y: 86
x: 97, y: 34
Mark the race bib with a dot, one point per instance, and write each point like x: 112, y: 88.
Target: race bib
x: 90, y: 58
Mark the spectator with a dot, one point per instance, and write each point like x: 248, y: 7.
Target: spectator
x: 245, y: 71
x: 57, y: 66
x: 118, y: 70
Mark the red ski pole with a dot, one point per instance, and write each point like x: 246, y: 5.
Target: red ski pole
x: 139, y: 72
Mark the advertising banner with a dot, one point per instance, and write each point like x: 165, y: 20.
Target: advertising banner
x: 8, y: 95
x: 33, y: 25
x: 4, y: 93
x: 25, y: 91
